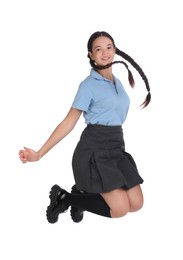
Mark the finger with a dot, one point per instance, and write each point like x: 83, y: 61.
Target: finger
x: 23, y: 159
x: 22, y: 153
x: 27, y: 149
x: 24, y: 162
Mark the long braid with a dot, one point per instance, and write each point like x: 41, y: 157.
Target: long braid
x: 130, y: 76
x: 140, y: 71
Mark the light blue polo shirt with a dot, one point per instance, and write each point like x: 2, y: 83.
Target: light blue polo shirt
x: 102, y: 101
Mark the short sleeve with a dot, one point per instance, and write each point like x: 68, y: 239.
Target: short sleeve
x: 83, y: 98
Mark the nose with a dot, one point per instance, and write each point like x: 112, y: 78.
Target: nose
x: 104, y: 51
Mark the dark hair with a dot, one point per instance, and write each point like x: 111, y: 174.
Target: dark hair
x: 126, y: 57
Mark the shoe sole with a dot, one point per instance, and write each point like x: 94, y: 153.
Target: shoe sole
x: 55, y: 190
x: 74, y: 211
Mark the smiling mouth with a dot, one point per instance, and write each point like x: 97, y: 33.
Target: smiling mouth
x: 105, y: 58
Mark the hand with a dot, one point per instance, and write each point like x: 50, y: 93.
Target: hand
x: 28, y: 155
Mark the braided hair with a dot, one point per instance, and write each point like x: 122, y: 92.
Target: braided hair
x: 126, y: 57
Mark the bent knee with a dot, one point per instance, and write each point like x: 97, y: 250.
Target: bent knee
x: 120, y: 211
x: 136, y: 205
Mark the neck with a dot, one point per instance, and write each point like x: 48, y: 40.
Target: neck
x: 106, y: 73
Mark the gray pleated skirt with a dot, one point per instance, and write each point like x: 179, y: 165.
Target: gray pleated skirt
x: 100, y: 162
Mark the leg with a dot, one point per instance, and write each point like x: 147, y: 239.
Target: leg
x: 121, y: 201
x: 115, y: 204
x: 118, y: 202
x: 135, y: 197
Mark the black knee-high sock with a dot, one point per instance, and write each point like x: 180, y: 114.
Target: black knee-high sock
x: 90, y: 202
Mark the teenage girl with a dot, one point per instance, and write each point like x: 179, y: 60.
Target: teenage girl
x: 107, y: 181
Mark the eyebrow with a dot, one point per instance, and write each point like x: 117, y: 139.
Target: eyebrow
x: 100, y: 46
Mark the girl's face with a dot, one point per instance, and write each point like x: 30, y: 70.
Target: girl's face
x: 103, y: 51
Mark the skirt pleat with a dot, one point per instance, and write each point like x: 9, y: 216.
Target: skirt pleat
x: 100, y: 162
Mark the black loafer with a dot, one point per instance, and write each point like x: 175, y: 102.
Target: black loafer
x: 56, y: 204
x: 76, y: 213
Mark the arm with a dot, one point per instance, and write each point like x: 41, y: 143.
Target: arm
x: 63, y: 129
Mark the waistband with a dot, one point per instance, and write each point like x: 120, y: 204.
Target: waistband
x: 104, y: 127
x: 105, y: 137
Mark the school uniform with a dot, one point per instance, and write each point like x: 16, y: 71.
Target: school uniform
x: 100, y: 162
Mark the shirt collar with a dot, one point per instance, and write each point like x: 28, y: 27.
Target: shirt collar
x: 97, y: 76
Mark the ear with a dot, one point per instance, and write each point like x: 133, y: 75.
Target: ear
x: 90, y: 55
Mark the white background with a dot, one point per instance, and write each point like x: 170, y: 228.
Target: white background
x: 43, y: 58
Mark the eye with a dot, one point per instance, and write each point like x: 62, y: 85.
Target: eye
x: 97, y: 49
x: 110, y: 47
